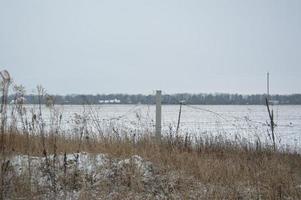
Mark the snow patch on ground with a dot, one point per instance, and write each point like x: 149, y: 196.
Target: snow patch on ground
x: 99, y: 176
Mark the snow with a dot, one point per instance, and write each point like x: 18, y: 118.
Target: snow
x: 95, y: 167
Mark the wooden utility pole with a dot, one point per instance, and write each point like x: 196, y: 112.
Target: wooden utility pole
x: 268, y: 86
x: 158, y: 114
x: 270, y: 111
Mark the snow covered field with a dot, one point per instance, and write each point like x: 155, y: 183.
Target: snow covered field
x: 231, y: 121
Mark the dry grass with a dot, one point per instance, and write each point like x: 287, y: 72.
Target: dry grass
x: 224, y: 169
x: 184, y: 168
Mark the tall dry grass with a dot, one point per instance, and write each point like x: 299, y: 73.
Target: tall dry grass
x: 210, y: 168
x: 228, y: 168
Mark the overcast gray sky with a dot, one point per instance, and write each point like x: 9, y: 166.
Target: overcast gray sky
x: 137, y: 46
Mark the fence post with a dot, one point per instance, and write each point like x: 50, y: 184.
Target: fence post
x: 158, y: 114
x: 179, y: 117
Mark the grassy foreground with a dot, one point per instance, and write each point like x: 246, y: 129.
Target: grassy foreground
x: 205, y: 170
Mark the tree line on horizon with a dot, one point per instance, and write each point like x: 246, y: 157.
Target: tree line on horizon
x: 196, y: 99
